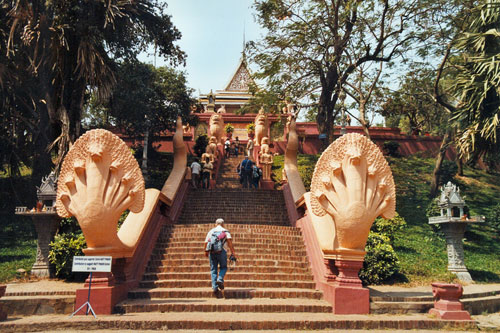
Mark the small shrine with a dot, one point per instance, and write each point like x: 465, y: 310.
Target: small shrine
x: 47, y: 192
x: 46, y: 222
x: 453, y: 221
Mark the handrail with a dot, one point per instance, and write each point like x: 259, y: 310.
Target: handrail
x: 291, y: 169
x: 176, y: 177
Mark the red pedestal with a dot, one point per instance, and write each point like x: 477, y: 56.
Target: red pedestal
x: 348, y: 294
x: 104, y: 294
x: 447, y: 305
x: 267, y: 184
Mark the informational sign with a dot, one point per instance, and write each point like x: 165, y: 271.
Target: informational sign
x: 92, y: 264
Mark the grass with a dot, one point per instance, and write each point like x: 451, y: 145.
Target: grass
x: 421, y: 250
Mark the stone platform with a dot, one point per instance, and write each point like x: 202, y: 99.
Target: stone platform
x: 45, y: 305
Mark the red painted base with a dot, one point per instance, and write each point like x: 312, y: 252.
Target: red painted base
x: 447, y: 305
x: 349, y: 296
x: 267, y: 184
x: 450, y: 315
x: 351, y: 300
x: 104, y: 294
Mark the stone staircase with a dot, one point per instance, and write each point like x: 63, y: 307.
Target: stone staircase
x: 228, y: 177
x: 235, y: 205
x: 272, y: 274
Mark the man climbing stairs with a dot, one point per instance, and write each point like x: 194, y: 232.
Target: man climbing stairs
x: 272, y: 274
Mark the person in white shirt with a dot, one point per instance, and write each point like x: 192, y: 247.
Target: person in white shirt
x: 195, y: 173
x: 227, y: 147
x: 219, y: 259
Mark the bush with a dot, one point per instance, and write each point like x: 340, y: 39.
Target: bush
x: 388, y: 227
x: 63, y: 248
x: 391, y: 148
x: 381, y: 261
x: 229, y: 128
x: 493, y: 218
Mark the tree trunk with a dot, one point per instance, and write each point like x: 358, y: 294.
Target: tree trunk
x: 439, y: 162
x: 362, y: 117
x: 460, y: 166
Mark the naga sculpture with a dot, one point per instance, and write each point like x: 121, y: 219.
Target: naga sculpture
x: 99, y: 179
x: 216, y: 124
x: 261, y: 127
x: 352, y: 185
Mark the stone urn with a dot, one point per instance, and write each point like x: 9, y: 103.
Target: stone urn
x: 447, y: 305
x: 447, y: 291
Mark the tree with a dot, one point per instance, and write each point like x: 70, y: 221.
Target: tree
x: 412, y: 107
x: 477, y: 82
x: 145, y: 102
x: 313, y: 47
x: 69, y: 47
x: 471, y: 58
x: 148, y: 98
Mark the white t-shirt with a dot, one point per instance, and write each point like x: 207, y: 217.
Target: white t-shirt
x: 218, y: 228
x: 195, y: 168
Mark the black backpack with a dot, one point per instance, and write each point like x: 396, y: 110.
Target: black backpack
x: 247, y: 166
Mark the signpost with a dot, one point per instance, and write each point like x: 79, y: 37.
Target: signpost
x: 90, y: 264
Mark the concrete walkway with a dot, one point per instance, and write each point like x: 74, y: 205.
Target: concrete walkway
x: 57, y: 287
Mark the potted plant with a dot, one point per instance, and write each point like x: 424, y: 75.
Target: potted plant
x: 251, y: 130
x: 229, y: 128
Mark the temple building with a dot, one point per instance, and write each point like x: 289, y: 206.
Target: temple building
x: 228, y: 102
x: 234, y: 96
x: 226, y: 105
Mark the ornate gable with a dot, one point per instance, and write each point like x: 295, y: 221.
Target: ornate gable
x: 241, y: 78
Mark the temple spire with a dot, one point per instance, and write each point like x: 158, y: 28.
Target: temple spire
x: 243, y: 53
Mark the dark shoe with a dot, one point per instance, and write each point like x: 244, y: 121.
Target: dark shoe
x: 220, y: 284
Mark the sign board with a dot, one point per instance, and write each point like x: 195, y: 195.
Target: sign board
x: 92, y: 264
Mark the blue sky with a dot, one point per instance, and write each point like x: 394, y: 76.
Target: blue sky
x: 212, y: 37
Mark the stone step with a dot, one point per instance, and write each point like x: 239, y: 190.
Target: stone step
x: 236, y: 220
x: 245, y: 262
x: 228, y: 284
x: 278, y: 256
x: 239, y: 242
x: 229, y: 305
x: 232, y: 275
x: 206, y: 292
x: 235, y: 321
x: 260, y: 231
x: 239, y: 268
x: 474, y: 303
x: 204, y: 227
